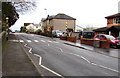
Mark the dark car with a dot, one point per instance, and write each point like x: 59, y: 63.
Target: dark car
x: 113, y: 41
x: 86, y: 34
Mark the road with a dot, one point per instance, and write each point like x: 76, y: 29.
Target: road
x: 65, y: 60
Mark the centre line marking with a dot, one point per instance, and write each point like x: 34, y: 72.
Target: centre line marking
x: 61, y: 50
x: 95, y: 63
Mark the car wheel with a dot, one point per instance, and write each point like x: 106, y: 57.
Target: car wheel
x: 113, y: 46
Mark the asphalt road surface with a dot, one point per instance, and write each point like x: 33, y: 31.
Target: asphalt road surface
x: 65, y: 60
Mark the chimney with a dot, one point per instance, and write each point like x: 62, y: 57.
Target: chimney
x: 119, y: 7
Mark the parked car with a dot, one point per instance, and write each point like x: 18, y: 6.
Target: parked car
x: 113, y: 41
x: 118, y: 38
x: 86, y: 34
x: 57, y: 33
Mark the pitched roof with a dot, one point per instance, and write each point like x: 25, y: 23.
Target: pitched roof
x: 103, y: 29
x: 113, y: 16
x: 61, y: 16
x: 117, y: 28
x: 26, y: 24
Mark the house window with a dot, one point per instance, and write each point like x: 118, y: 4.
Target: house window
x: 117, y: 21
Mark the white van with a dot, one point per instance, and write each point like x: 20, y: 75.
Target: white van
x: 57, y: 33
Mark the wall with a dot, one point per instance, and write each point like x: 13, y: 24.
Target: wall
x: 110, y: 23
x: 60, y: 24
x: 75, y: 34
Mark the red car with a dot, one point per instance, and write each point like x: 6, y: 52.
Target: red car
x: 113, y: 41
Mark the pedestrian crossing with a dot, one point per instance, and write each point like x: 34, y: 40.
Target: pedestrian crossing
x: 36, y: 41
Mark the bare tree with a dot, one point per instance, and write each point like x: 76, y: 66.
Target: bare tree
x: 24, y: 6
x: 11, y: 10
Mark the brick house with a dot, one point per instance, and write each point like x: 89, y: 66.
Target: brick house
x: 60, y: 21
x: 113, y: 26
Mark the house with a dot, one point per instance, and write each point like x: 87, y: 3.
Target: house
x: 31, y: 27
x: 78, y: 28
x: 60, y: 21
x: 113, y: 20
x: 113, y: 26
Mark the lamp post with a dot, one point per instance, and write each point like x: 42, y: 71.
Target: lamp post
x: 7, y: 24
x: 7, y: 21
x: 66, y: 27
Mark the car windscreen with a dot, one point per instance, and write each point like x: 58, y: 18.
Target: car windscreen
x: 110, y: 37
x: 59, y: 31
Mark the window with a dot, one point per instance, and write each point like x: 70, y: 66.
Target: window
x: 116, y: 21
x: 98, y: 36
x: 103, y: 37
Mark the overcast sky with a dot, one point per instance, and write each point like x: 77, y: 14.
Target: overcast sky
x: 87, y: 12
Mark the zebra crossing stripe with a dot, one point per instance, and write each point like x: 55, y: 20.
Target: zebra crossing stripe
x: 55, y: 42
x: 42, y: 40
x: 36, y: 40
x: 29, y: 41
x: 49, y: 41
x: 21, y: 41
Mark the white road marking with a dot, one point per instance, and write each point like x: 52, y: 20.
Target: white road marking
x: 61, y: 50
x: 55, y: 42
x: 85, y: 59
x: 42, y: 40
x: 21, y: 41
x: 40, y: 58
x: 36, y: 40
x: 40, y: 63
x: 26, y: 46
x: 29, y: 41
x: 48, y: 44
x: 37, y: 55
x: 14, y: 40
x: 95, y: 63
x: 30, y: 50
x: 49, y: 41
x: 52, y: 71
x: 109, y: 68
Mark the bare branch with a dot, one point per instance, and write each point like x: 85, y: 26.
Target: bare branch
x: 24, y: 6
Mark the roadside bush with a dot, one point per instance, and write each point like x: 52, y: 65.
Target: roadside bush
x: 38, y: 31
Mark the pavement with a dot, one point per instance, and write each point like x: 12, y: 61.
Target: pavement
x: 15, y: 61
